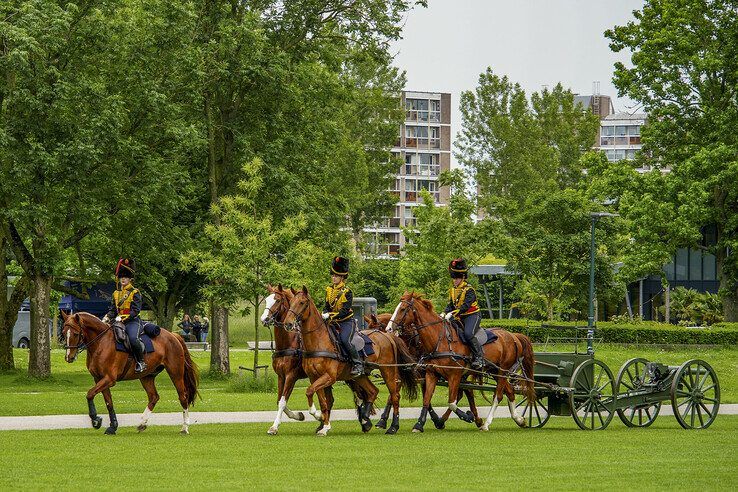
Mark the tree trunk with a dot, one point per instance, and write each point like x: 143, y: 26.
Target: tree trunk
x: 6, y: 330
x: 219, y: 358
x: 728, y: 289
x: 256, y: 333
x: 39, y: 363
x: 550, y: 308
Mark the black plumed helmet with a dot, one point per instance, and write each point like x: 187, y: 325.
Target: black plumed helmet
x: 340, y: 266
x: 457, y: 268
x: 126, y: 268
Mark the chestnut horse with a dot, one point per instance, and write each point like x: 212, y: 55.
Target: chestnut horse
x: 85, y: 331
x: 324, y: 365
x: 380, y: 322
x: 446, y: 356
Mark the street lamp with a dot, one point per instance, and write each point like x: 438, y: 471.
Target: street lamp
x: 590, y: 320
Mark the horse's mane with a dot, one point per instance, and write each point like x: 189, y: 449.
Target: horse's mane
x: 88, y: 317
x: 419, y: 297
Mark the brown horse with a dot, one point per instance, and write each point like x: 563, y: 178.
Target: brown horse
x: 324, y: 365
x: 380, y: 322
x: 85, y: 331
x: 446, y: 356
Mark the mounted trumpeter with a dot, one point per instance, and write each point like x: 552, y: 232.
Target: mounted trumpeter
x: 463, y: 306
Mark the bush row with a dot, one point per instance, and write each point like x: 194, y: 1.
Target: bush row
x: 608, y: 332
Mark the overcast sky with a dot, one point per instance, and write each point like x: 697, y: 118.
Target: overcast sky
x: 534, y: 42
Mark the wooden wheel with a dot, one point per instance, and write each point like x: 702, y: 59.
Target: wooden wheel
x: 632, y: 378
x: 695, y: 394
x: 592, y: 399
x: 536, y: 414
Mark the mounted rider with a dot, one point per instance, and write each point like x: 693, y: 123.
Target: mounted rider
x: 125, y: 308
x: 338, y: 312
x: 462, y: 305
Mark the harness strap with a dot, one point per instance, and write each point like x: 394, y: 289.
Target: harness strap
x: 323, y: 353
x: 287, y: 353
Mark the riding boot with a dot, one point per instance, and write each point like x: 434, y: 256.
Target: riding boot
x: 357, y: 363
x: 138, y: 348
x: 477, y: 354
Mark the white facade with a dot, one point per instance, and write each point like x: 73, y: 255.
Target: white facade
x: 620, y: 136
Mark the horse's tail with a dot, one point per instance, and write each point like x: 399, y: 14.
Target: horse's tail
x: 529, y: 363
x: 408, y: 374
x: 191, y: 373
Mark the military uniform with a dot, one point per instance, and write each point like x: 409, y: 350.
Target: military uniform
x: 126, y: 305
x: 337, y: 311
x: 463, y: 305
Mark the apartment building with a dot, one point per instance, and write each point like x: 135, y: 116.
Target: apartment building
x: 423, y: 147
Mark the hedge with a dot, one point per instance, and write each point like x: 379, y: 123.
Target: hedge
x: 609, y: 332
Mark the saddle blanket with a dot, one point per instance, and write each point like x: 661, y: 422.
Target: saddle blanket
x: 149, y: 329
x: 491, y: 337
x: 368, y: 345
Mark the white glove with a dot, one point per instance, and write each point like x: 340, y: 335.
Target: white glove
x: 326, y: 315
x: 118, y: 318
x: 106, y: 319
x: 448, y: 316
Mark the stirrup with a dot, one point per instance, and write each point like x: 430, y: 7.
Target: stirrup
x: 140, y: 366
x: 357, y: 368
x: 478, y: 363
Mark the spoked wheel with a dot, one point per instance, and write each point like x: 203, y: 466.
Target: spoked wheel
x: 695, y: 394
x: 535, y: 414
x: 592, y: 400
x: 632, y: 379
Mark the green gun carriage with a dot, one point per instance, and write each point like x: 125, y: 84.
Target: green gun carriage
x: 577, y: 384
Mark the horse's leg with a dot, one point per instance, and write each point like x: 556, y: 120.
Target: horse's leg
x: 312, y: 410
x: 391, y: 380
x: 289, y: 384
x: 111, y: 412
x: 100, y: 385
x: 365, y: 409
x: 511, y: 404
x: 430, y: 387
x: 324, y: 380
x: 177, y: 377
x: 150, y: 386
x: 495, y: 401
x: 281, y: 404
x: 454, y: 380
x: 472, y: 407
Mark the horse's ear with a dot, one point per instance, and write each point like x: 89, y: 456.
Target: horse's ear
x: 279, y: 287
x: 305, y: 290
x: 76, y: 318
x: 374, y: 318
x: 294, y: 292
x: 64, y: 314
x: 269, y: 288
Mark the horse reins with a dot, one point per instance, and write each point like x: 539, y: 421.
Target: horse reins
x: 81, y: 347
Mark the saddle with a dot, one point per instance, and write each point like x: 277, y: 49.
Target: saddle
x: 359, y: 339
x: 150, y: 330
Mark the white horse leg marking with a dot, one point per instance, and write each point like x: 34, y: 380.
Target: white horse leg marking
x: 278, y: 419
x: 69, y: 337
x: 186, y: 421
x: 315, y: 412
x: 324, y: 430
x: 514, y: 413
x: 490, y: 415
x: 391, y: 324
x: 145, y: 418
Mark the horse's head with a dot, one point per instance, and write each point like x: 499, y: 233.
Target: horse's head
x: 299, y: 309
x: 374, y: 322
x: 409, y: 313
x: 73, y: 336
x: 276, y: 304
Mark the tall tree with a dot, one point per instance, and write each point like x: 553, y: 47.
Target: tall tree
x: 685, y: 74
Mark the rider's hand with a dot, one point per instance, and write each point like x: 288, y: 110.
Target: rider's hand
x: 118, y: 318
x: 448, y: 316
x: 326, y: 315
x: 106, y: 319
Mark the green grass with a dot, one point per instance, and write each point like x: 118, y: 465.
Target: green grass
x: 65, y: 392
x: 243, y: 457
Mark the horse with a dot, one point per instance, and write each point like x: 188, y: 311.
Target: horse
x: 287, y: 356
x: 84, y: 331
x: 446, y: 355
x: 380, y: 322
x: 324, y: 365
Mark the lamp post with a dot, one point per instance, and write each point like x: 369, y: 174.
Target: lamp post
x: 595, y: 216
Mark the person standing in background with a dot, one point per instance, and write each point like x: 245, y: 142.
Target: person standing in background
x: 197, y: 327
x: 205, y: 328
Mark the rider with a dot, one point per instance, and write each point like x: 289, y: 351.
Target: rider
x: 337, y: 310
x: 462, y: 304
x: 126, y: 306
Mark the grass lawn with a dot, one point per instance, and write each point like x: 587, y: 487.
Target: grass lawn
x: 243, y: 457
x: 65, y: 392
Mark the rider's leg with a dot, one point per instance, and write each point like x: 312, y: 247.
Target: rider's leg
x: 471, y: 326
x: 137, y: 346
x: 346, y: 331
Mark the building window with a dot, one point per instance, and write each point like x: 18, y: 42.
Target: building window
x: 416, y: 110
x: 621, y: 130
x: 709, y: 263
x: 682, y: 262
x: 410, y: 220
x: 634, y: 130
x: 435, y: 111
x: 634, y: 140
x: 695, y: 264
x: 607, y: 140
x: 416, y: 136
x: 621, y: 140
x: 608, y: 131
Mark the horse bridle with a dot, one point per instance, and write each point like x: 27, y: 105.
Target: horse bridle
x: 81, y: 347
x: 273, y: 314
x: 298, y: 317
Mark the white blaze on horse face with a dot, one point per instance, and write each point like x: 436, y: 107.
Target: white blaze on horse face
x: 69, y: 337
x: 268, y: 303
x: 391, y: 324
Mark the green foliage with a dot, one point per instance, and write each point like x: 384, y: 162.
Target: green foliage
x: 694, y: 308
x: 250, y: 383
x: 376, y: 278
x: 684, y: 66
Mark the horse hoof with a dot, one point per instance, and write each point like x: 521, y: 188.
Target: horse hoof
x: 300, y: 416
x: 110, y: 431
x: 317, y: 416
x: 521, y: 423
x: 141, y: 427
x: 96, y: 422
x: 393, y: 429
x: 366, y: 426
x: 484, y: 428
x: 184, y: 432
x: 272, y: 431
x: 382, y: 424
x: 439, y: 424
x: 417, y: 428
x: 479, y: 422
x: 319, y: 428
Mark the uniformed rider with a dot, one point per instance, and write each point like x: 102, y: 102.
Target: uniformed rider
x: 125, y: 308
x: 338, y: 313
x: 462, y: 305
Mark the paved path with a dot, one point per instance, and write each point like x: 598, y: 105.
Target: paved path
x: 132, y: 420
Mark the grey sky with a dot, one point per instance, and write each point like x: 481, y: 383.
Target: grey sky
x: 535, y: 42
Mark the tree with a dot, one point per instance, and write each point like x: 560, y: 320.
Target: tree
x: 528, y: 158
x: 685, y: 74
